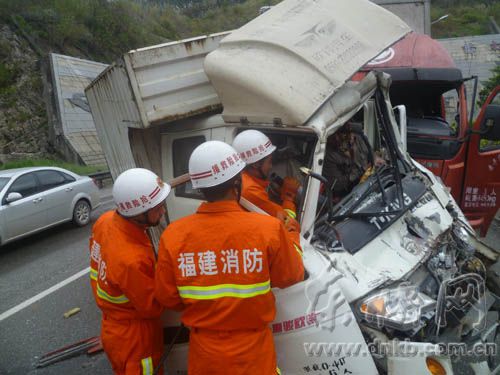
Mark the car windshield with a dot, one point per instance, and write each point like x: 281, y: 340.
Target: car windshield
x: 3, y: 182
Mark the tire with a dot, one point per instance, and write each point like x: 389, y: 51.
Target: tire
x: 81, y: 213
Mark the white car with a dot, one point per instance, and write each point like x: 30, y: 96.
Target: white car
x: 36, y: 198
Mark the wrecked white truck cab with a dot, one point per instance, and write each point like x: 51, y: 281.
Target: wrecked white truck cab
x: 392, y: 268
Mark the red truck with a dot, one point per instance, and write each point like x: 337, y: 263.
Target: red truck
x: 467, y: 159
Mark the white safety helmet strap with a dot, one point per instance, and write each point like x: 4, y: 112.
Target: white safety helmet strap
x: 137, y: 190
x: 213, y: 163
x: 253, y: 145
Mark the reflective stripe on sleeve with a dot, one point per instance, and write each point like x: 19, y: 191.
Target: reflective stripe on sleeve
x: 147, y: 366
x: 93, y: 274
x: 290, y: 213
x: 299, y: 250
x: 224, y: 290
x: 105, y: 296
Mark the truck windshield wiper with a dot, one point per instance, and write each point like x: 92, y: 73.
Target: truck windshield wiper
x: 369, y: 190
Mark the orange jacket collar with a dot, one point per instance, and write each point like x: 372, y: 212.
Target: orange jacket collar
x: 220, y: 206
x: 134, y: 230
x: 259, y: 181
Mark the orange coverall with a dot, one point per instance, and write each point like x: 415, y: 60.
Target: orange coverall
x: 254, y: 190
x: 221, y: 263
x: 122, y: 279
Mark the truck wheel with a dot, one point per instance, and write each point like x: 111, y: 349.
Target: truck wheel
x: 81, y: 213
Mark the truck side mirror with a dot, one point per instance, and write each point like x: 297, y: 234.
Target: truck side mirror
x: 490, y: 126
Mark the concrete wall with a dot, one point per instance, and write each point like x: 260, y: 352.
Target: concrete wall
x: 416, y: 13
x: 474, y: 55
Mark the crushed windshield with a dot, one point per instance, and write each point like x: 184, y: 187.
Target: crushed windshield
x: 367, y: 182
x: 361, y: 161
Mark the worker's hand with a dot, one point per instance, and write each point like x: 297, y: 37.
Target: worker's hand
x: 289, y: 189
x: 291, y: 225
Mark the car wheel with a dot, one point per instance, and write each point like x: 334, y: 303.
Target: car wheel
x: 81, y: 213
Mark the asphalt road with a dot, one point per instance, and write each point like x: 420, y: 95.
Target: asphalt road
x: 33, y: 266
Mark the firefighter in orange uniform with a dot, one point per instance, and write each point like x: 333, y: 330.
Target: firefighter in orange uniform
x: 221, y: 264
x: 122, y: 273
x: 256, y: 149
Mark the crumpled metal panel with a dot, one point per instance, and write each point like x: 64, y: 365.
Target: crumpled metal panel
x: 114, y: 111
x: 168, y: 80
x: 70, y: 77
x: 282, y: 66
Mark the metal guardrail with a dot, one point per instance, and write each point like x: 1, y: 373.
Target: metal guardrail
x: 99, y: 177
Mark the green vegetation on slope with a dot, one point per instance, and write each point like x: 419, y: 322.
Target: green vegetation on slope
x: 95, y: 29
x: 466, y: 17
x: 103, y: 30
x: 489, y: 85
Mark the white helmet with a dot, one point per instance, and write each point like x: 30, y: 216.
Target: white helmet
x: 137, y: 190
x: 253, y: 145
x: 213, y: 163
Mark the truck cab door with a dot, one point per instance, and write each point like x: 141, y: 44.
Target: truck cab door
x: 480, y: 198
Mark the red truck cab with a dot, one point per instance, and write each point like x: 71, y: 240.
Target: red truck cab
x: 427, y: 82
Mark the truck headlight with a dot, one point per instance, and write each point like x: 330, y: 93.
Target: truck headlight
x: 399, y: 308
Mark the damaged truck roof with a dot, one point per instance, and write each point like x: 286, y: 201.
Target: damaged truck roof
x: 283, y: 65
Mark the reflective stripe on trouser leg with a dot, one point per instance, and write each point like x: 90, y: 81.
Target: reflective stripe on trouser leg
x: 147, y: 366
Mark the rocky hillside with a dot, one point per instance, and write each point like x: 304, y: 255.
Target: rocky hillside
x: 23, y: 120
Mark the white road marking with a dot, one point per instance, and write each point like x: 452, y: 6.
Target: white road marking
x: 43, y: 294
